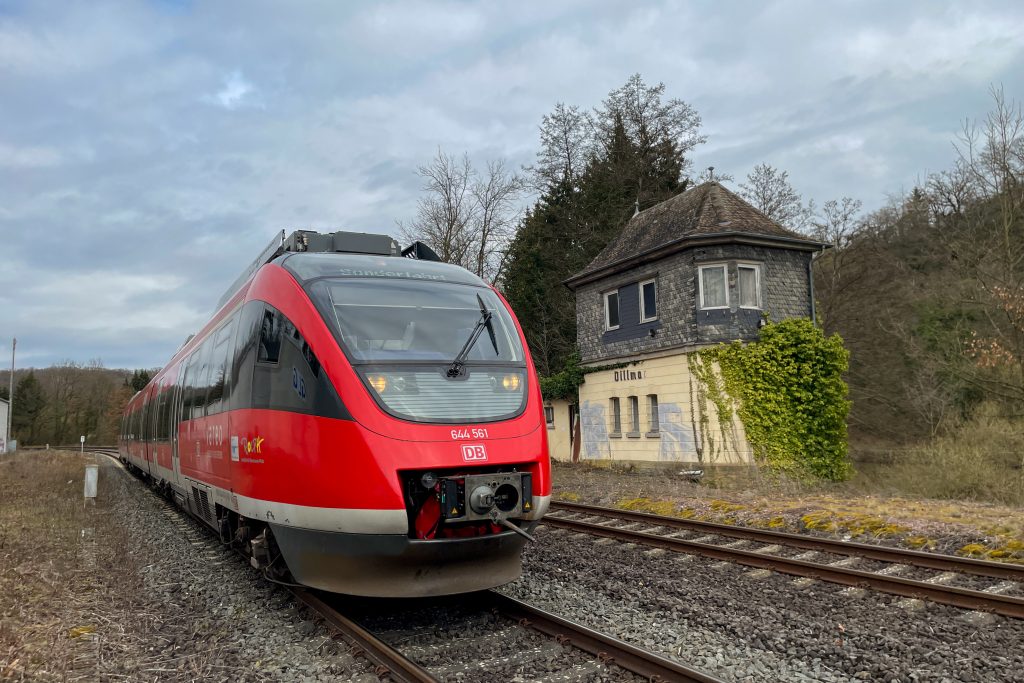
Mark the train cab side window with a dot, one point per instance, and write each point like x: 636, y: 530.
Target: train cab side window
x: 287, y: 374
x: 270, y: 336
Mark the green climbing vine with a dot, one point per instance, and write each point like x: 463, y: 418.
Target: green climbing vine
x: 566, y: 383
x: 712, y: 387
x: 791, y: 396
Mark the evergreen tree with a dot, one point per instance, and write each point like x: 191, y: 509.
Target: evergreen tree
x: 633, y: 151
x: 138, y: 380
x: 28, y: 408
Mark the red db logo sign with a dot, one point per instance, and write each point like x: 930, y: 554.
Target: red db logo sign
x: 473, y: 452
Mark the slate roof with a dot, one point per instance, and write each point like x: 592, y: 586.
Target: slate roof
x: 703, y: 212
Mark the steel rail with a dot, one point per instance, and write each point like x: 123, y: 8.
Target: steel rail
x: 388, y: 660
x: 606, y: 648
x: 1006, y: 605
x: 917, y: 558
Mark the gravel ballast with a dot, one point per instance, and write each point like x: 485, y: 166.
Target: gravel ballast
x: 750, y: 625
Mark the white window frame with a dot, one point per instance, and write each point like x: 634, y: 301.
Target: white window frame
x: 643, y: 306
x: 724, y: 267
x: 607, y: 310
x: 756, y: 267
x: 550, y: 423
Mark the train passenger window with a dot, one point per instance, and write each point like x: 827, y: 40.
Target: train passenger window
x: 243, y: 358
x: 219, y: 368
x: 187, y: 384
x: 202, y: 379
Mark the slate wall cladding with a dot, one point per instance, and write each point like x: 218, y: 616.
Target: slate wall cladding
x: 785, y: 293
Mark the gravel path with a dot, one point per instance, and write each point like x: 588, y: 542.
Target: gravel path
x: 752, y: 625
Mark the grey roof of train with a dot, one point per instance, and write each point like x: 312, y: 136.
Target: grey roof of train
x: 307, y: 266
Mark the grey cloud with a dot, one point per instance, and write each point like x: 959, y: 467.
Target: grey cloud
x: 118, y: 159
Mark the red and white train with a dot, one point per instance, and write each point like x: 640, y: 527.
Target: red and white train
x: 355, y: 421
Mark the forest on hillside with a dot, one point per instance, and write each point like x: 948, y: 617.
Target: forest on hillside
x: 59, y: 404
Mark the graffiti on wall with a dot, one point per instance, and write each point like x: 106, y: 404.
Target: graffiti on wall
x: 594, y: 432
x: 676, y: 434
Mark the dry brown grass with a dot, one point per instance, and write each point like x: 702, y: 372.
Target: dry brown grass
x: 47, y: 552
x: 982, y: 461
x: 71, y: 597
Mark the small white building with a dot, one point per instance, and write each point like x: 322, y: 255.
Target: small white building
x: 4, y: 436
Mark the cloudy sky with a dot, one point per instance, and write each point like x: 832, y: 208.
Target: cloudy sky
x: 149, y: 150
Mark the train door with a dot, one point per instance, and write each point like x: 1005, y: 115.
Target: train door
x: 174, y: 424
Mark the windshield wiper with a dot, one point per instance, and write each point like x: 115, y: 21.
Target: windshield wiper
x: 485, y: 321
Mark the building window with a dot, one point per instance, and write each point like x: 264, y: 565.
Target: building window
x: 634, y: 416
x: 652, y: 411
x: 714, y: 286
x: 611, y: 310
x: 749, y: 286
x: 648, y: 301
x: 616, y: 417
x: 549, y: 416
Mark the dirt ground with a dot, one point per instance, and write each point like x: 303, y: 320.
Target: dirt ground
x: 973, y: 529
x: 122, y: 590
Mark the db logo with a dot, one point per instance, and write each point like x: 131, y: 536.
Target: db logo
x: 473, y: 452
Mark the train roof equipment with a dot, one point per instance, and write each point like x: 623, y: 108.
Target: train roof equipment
x: 340, y: 242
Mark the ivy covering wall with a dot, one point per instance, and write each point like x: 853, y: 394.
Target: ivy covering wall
x: 791, y: 396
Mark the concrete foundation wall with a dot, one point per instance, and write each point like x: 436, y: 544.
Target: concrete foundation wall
x: 688, y: 428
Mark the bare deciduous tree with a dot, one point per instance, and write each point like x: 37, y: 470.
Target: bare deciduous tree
x: 768, y: 189
x: 467, y: 218
x: 446, y: 210
x: 566, y: 143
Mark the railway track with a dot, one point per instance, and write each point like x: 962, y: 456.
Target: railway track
x: 428, y: 640
x: 991, y: 584
x: 605, y: 658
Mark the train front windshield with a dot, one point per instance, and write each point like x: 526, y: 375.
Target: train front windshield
x: 403, y: 337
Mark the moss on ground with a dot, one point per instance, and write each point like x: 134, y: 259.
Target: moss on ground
x: 664, y: 508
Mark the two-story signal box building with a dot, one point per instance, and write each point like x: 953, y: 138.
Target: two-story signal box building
x: 701, y: 268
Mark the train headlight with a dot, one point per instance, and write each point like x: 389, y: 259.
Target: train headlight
x: 378, y: 382
x: 511, y: 382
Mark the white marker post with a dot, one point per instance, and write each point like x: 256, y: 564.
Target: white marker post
x: 92, y: 475
x: 81, y: 439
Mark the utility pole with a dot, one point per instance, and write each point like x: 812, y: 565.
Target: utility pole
x: 10, y: 395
